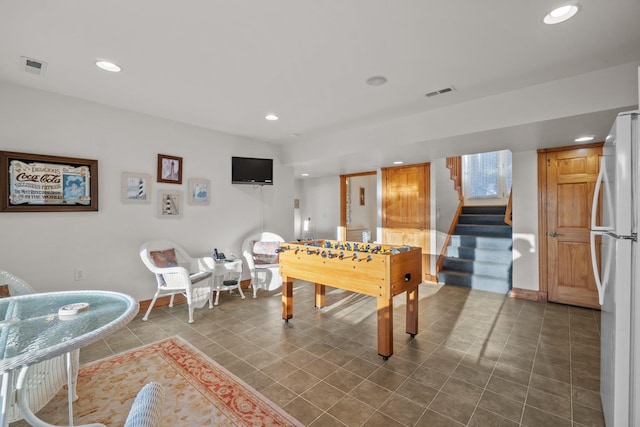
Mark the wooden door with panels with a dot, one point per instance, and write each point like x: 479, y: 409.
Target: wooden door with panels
x: 566, y: 197
x: 405, y: 209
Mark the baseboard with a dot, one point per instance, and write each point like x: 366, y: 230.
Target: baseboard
x: 528, y: 295
x: 178, y: 299
x: 431, y: 278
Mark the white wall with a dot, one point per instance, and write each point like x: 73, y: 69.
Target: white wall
x: 320, y: 201
x: 45, y: 248
x: 525, y: 220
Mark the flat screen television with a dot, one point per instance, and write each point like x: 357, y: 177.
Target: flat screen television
x: 249, y: 170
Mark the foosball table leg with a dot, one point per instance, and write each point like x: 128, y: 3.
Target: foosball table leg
x: 385, y: 326
x: 287, y: 298
x: 412, y: 312
x: 320, y: 296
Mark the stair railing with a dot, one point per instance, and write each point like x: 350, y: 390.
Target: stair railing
x: 454, y: 164
x: 507, y: 212
x: 452, y: 229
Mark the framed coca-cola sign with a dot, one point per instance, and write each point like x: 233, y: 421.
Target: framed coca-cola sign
x: 41, y: 183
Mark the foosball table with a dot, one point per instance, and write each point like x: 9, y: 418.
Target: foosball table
x: 381, y: 271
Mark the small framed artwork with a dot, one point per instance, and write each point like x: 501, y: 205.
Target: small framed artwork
x: 170, y: 203
x: 169, y: 169
x: 136, y: 187
x: 361, y: 196
x: 199, y: 191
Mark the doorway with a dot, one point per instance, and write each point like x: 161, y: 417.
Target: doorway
x: 358, y: 207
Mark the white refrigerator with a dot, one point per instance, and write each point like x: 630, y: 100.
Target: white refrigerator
x: 616, y: 272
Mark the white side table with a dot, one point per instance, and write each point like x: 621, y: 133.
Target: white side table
x: 224, y: 273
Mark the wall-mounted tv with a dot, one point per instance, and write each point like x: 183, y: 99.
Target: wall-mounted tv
x: 249, y: 170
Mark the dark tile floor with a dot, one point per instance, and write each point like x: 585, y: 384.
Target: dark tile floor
x: 479, y: 359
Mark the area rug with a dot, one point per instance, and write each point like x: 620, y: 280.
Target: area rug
x: 199, y: 392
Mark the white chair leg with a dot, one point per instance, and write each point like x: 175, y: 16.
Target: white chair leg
x: 240, y: 290
x: 189, y: 304
x: 171, y: 300
x: 153, y: 301
x: 217, y: 297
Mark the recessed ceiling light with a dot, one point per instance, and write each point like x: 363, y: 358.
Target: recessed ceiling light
x: 584, y: 139
x: 561, y: 14
x: 108, y: 66
x: 376, y: 80
x: 304, y: 174
x: 398, y: 162
x: 271, y: 117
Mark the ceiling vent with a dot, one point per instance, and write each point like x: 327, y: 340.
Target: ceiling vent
x: 441, y: 91
x: 33, y: 66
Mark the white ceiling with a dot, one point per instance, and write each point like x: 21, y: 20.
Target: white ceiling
x: 224, y: 64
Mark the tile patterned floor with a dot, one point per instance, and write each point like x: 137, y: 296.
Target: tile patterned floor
x: 480, y: 359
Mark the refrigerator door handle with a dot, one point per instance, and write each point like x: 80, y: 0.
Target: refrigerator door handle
x: 594, y: 265
x: 602, y: 174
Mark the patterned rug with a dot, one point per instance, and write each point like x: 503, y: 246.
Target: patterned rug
x: 199, y: 392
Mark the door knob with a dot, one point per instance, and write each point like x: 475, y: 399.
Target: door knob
x: 553, y: 234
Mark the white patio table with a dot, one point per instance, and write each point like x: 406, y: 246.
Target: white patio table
x: 31, y: 330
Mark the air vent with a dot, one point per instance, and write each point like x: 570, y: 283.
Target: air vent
x: 441, y: 91
x: 33, y: 66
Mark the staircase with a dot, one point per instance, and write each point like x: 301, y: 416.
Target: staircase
x: 479, y: 252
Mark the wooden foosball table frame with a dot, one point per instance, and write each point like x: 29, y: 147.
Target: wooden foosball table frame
x: 381, y: 271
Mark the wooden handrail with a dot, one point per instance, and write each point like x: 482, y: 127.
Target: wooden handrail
x: 454, y: 164
x: 452, y: 229
x: 507, y: 212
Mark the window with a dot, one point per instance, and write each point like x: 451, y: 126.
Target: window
x: 487, y: 176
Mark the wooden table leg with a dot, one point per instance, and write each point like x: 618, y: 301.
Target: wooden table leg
x: 320, y: 295
x: 287, y: 298
x: 412, y: 311
x: 385, y: 327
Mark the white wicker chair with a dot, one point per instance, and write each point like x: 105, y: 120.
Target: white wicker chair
x: 258, y: 251
x: 178, y: 273
x: 146, y: 410
x: 44, y: 379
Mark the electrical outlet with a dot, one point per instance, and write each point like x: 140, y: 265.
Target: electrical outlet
x: 79, y: 273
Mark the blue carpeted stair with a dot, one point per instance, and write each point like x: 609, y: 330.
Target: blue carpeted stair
x: 479, y: 252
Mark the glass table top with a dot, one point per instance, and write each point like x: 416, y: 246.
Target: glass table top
x: 31, y: 329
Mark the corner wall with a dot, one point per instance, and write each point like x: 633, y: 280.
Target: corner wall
x: 525, y: 221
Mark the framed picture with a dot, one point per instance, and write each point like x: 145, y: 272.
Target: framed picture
x: 170, y: 203
x: 40, y: 183
x: 136, y: 187
x: 361, y: 196
x: 199, y: 190
x: 169, y: 169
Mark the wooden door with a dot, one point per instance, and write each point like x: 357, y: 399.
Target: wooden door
x: 571, y: 179
x: 405, y: 209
